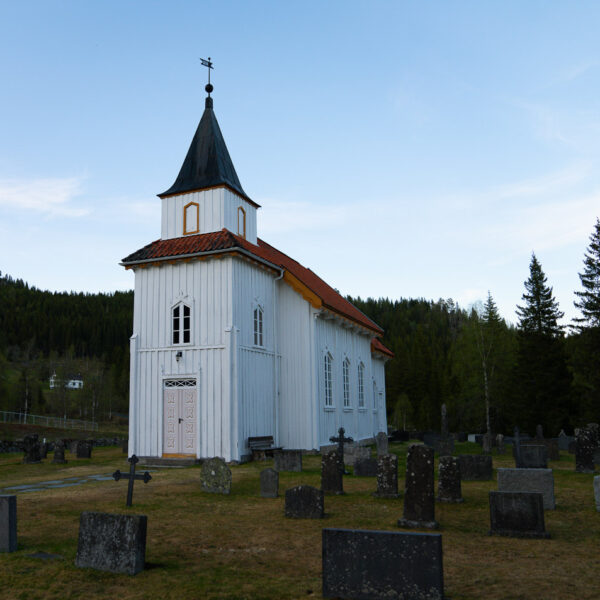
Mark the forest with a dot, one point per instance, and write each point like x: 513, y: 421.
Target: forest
x: 491, y: 375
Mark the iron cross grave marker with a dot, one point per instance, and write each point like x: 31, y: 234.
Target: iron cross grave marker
x: 340, y: 440
x: 146, y: 477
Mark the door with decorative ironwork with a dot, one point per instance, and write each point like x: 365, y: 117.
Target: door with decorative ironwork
x: 180, y: 417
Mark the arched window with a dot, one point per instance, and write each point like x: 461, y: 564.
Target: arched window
x: 374, y: 396
x: 181, y: 320
x: 346, y: 379
x: 191, y: 218
x: 258, y: 326
x: 361, y: 385
x: 327, y: 379
x: 241, y: 215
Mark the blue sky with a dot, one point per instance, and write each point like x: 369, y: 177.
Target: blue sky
x: 398, y: 149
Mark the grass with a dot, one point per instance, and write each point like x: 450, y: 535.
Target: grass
x: 201, y: 545
x: 16, y: 431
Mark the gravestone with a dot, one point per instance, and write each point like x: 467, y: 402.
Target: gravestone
x: 432, y: 439
x: 131, y: 477
x: 539, y: 432
x: 366, y: 467
x: 304, y: 502
x: 500, y: 444
x: 517, y: 446
x: 517, y: 514
x: 564, y: 440
x: 529, y: 480
x: 269, y: 483
x: 584, y: 451
x: 352, y: 453
x: 114, y: 543
x: 533, y: 457
x: 31, y: 446
x: 487, y: 443
x: 59, y: 452
x: 8, y: 523
x: 340, y: 440
x: 382, y: 565
x: 449, y: 488
x: 381, y: 441
x: 44, y: 449
x: 445, y: 445
x: 419, y: 502
x: 73, y: 446
x: 215, y: 476
x: 475, y: 467
x: 387, y: 476
x: 597, y: 492
x: 288, y: 460
x: 332, y: 480
x: 84, y: 449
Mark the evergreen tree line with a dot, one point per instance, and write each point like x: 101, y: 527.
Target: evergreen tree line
x: 491, y: 375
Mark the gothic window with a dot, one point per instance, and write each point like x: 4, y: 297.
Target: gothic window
x: 191, y: 218
x: 346, y: 379
x: 258, y: 326
x: 327, y: 379
x: 361, y: 385
x: 181, y: 319
x: 241, y: 215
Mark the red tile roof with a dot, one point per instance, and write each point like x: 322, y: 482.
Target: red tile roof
x: 377, y: 346
x: 223, y: 240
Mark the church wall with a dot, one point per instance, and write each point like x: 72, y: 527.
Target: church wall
x: 217, y: 208
x: 295, y: 327
x: 379, y: 378
x: 341, y: 343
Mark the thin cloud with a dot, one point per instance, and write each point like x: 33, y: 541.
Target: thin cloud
x: 53, y: 197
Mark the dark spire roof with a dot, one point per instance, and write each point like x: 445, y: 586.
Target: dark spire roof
x: 207, y: 163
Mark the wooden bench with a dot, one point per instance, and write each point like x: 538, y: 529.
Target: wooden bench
x: 261, y: 446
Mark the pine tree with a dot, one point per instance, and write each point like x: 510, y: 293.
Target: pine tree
x: 589, y: 303
x: 540, y: 314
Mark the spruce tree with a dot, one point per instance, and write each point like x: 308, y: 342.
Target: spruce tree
x: 589, y: 298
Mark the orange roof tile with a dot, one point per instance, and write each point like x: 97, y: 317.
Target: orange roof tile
x: 377, y: 346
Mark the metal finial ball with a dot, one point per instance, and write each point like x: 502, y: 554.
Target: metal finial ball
x: 209, y: 88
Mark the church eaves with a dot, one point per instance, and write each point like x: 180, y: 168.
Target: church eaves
x: 207, y: 163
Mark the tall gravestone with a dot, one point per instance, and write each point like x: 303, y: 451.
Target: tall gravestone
x: 445, y: 444
x: 269, y: 483
x: 288, y: 460
x: 381, y: 441
x: 419, y: 501
x: 584, y: 450
x: 304, y: 502
x: 539, y: 432
x: 332, y: 479
x: 597, y: 492
x: 500, y: 444
x: 215, y: 476
x: 8, y: 523
x: 517, y: 514
x: 59, y: 452
x: 517, y: 446
x: 487, y: 443
x: 382, y: 565
x: 31, y: 446
x: 387, y: 476
x: 449, y: 488
x: 114, y: 543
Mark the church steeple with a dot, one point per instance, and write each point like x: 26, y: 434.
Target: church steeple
x: 207, y: 163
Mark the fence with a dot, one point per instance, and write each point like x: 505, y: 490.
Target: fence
x: 27, y: 419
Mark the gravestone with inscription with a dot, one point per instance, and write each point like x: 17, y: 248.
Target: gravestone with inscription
x: 288, y: 460
x: 585, y: 444
x: 84, y: 449
x: 269, y: 483
x: 8, y: 523
x: 387, y: 476
x: 304, y: 502
x: 529, y: 480
x: 332, y: 480
x: 31, y: 446
x: 215, y: 476
x: 533, y: 457
x: 382, y: 565
x: 114, y: 543
x: 517, y: 514
x: 419, y: 501
x: 59, y: 452
x: 381, y: 441
x: 449, y: 488
x: 353, y: 452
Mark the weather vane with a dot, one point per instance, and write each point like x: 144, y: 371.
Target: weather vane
x: 208, y: 64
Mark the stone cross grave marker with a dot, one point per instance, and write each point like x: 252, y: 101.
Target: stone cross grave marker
x: 59, y: 452
x: 340, y: 440
x: 146, y: 477
x: 382, y: 565
x: 419, y: 501
x: 8, y: 523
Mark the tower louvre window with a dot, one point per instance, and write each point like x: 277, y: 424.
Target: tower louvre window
x: 241, y: 225
x: 182, y: 324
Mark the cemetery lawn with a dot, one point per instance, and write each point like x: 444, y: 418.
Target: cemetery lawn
x: 201, y: 545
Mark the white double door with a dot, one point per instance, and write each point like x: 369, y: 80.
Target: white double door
x: 180, y: 420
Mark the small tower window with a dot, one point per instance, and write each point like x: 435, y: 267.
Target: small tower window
x: 191, y: 218
x: 181, y: 318
x: 258, y: 326
x: 241, y: 214
x: 346, y: 378
x: 361, y: 385
x: 328, y: 382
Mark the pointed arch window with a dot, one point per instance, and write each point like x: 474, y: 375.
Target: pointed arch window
x: 258, y: 326
x: 241, y: 224
x: 181, y: 319
x: 328, y: 380
x: 361, y: 385
x: 346, y: 380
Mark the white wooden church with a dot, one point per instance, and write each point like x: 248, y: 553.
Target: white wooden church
x: 232, y: 338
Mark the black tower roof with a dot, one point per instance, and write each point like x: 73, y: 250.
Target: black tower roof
x: 207, y: 163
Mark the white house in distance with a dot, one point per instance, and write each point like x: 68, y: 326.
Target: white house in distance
x: 232, y: 338
x: 73, y: 383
